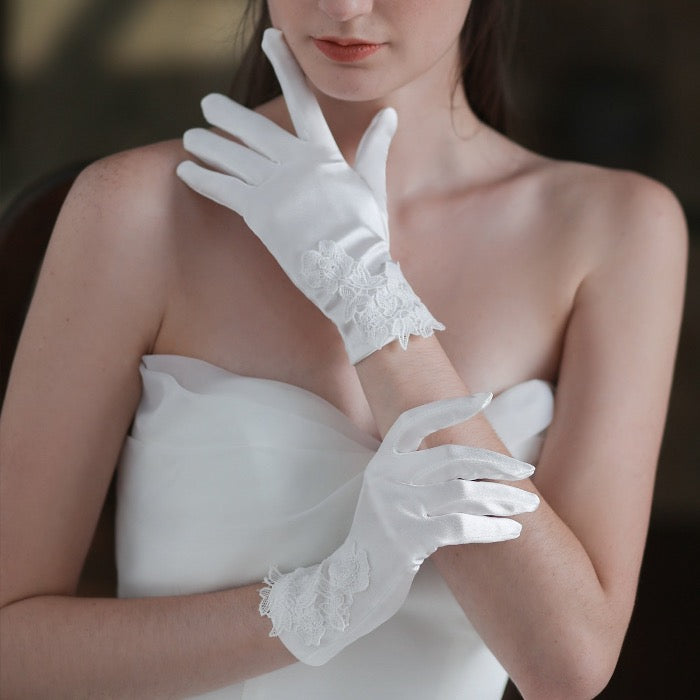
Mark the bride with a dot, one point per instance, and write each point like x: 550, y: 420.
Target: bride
x: 265, y: 326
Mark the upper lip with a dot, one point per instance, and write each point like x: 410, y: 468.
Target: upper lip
x: 345, y: 41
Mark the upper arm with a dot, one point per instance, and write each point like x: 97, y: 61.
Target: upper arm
x: 598, y: 463
x: 75, y: 382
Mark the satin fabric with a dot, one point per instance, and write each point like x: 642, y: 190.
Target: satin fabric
x: 223, y: 475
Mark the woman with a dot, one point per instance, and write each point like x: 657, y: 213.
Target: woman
x: 536, y: 268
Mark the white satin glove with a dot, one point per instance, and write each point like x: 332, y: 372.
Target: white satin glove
x: 324, y: 221
x: 411, y: 502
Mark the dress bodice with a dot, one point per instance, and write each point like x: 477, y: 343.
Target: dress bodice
x: 223, y: 475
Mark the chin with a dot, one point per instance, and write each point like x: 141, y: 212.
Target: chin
x: 348, y: 85
x: 346, y: 95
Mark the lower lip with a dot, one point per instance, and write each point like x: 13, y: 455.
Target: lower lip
x: 346, y: 54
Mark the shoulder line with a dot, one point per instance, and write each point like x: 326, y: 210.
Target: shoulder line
x: 612, y: 204
x: 117, y: 229
x: 140, y: 172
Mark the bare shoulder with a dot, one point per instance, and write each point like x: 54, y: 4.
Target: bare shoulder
x: 610, y: 210
x: 140, y: 199
x: 121, y: 221
x: 132, y: 187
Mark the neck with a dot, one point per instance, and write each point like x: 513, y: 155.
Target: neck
x: 436, y: 129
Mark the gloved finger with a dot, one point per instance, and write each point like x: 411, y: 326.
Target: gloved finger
x: 460, y: 528
x: 409, y: 429
x: 444, y: 462
x: 227, y: 156
x: 372, y: 152
x: 224, y: 189
x: 255, y: 130
x: 306, y: 114
x: 475, y: 498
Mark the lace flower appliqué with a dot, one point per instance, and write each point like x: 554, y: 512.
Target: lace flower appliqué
x: 310, y: 600
x: 383, y: 306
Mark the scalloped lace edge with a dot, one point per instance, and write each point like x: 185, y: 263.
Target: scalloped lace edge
x: 383, y: 306
x: 311, y: 600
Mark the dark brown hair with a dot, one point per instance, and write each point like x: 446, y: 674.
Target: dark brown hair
x: 482, y: 49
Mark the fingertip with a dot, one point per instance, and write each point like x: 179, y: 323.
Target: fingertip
x: 213, y: 102
x: 505, y: 529
x: 513, y: 531
x: 271, y: 34
x: 525, y: 471
x: 534, y: 503
x: 466, y: 407
x: 499, y: 530
x: 183, y: 169
x: 472, y: 404
x: 389, y: 122
x: 529, y: 469
x: 484, y: 398
x: 514, y: 534
x: 272, y: 40
x: 390, y: 118
x: 187, y: 138
x: 506, y: 467
x: 211, y: 98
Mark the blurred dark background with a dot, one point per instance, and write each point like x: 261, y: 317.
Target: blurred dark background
x: 614, y: 83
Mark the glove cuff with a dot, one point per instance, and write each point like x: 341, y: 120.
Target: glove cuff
x: 307, y: 603
x: 370, y: 310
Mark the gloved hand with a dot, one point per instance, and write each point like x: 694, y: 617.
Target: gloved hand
x: 324, y: 221
x: 411, y: 502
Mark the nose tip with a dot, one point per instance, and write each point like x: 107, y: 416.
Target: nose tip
x: 344, y: 10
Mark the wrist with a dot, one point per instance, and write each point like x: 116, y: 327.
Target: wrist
x: 310, y: 607
x: 367, y: 298
x: 395, y: 380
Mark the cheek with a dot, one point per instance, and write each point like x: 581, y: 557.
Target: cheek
x: 293, y: 18
x: 272, y: 8
x: 286, y: 15
x: 423, y: 14
x: 427, y: 29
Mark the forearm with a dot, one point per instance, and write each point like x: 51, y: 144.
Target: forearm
x: 394, y: 380
x: 63, y: 647
x: 536, y: 601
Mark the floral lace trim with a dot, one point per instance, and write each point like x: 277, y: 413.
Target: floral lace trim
x: 383, y: 306
x: 309, y: 601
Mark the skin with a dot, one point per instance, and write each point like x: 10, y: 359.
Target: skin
x: 538, y: 268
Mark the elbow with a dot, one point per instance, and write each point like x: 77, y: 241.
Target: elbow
x: 580, y: 673
x: 580, y: 686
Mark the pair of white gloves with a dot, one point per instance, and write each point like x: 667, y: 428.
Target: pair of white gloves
x: 325, y: 223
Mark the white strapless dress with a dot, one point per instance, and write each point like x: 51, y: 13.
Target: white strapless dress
x: 223, y: 475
